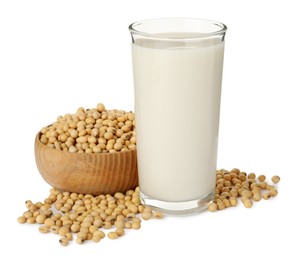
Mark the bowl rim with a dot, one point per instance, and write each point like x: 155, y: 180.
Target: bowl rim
x: 37, y: 139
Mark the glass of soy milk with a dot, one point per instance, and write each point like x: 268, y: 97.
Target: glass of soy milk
x: 177, y: 67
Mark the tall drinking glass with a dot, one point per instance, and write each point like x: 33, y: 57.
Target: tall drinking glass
x: 177, y: 66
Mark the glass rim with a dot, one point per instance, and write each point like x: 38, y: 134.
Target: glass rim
x: 220, y: 28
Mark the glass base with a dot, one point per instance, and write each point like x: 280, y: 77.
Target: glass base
x: 180, y: 207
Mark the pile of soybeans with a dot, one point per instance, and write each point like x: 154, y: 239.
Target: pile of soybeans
x: 230, y: 185
x: 95, y: 130
x: 87, y: 216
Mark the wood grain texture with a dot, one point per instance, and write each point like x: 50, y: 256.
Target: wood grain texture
x: 93, y: 174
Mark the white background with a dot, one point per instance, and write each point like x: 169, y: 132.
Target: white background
x: 56, y: 56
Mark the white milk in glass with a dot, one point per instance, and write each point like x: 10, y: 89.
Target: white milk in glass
x: 177, y: 103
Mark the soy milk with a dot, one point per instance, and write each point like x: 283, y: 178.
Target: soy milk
x: 177, y: 103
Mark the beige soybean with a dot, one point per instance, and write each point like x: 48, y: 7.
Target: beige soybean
x: 256, y: 196
x: 266, y: 195
x: 119, y: 224
x: 248, y: 203
x: 135, y: 225
x: 113, y: 235
x: 233, y: 201
x: 63, y: 231
x: 273, y: 192
x: 261, y: 178
x: 54, y: 229
x: 99, y: 233
x: 212, y: 207
x: 80, y: 240
x: 31, y: 220
x: 146, y: 215
x: 64, y: 241
x: 275, y: 179
x: 41, y: 218
x: 69, y: 236
x: 22, y: 220
x: 120, y: 231
x: 43, y: 229
x: 128, y: 225
x: 82, y: 235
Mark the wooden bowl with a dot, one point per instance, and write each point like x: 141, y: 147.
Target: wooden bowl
x: 105, y: 173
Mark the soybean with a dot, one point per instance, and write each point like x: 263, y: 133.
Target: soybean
x: 113, y: 235
x: 64, y: 241
x: 275, y: 179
